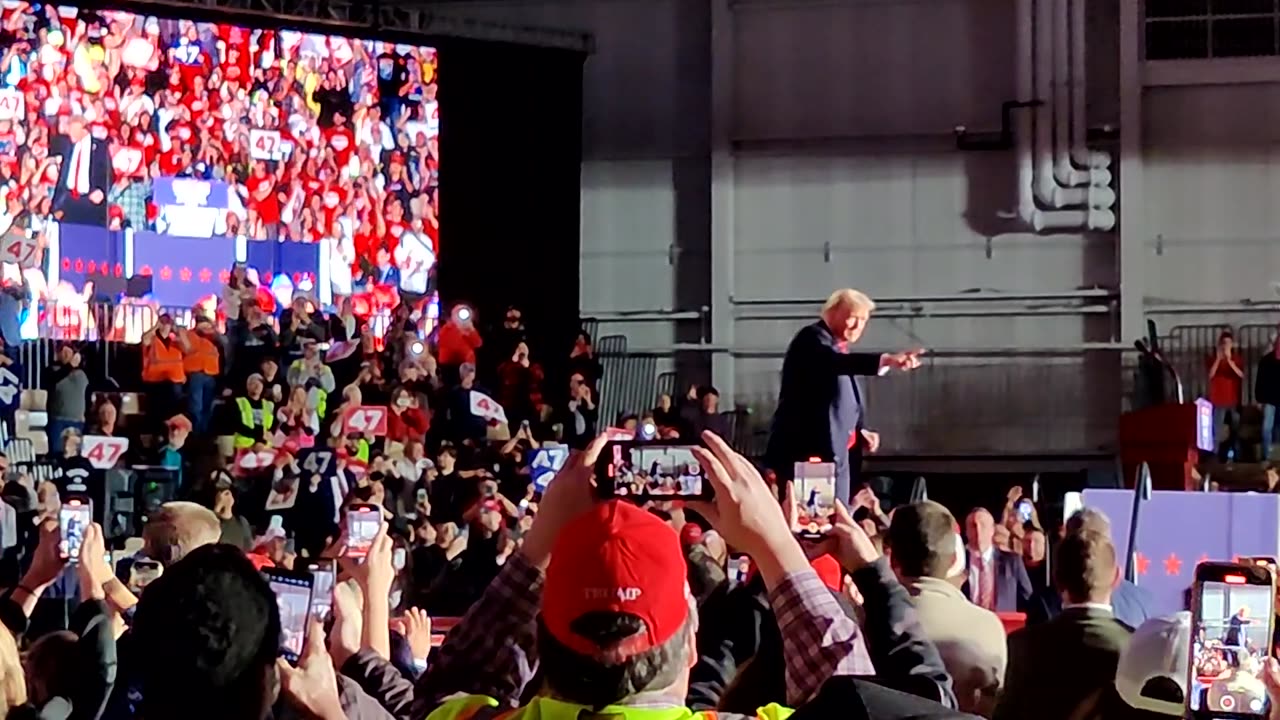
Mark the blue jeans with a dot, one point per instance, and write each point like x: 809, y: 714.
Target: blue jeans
x: 1268, y: 430
x: 55, y: 429
x: 1228, y: 449
x: 201, y: 389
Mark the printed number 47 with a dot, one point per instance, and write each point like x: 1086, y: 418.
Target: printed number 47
x: 104, y: 452
x: 19, y: 250
x: 365, y: 420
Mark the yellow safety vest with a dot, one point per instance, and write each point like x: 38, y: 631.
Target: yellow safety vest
x: 362, y: 450
x: 246, y: 418
x: 478, y: 707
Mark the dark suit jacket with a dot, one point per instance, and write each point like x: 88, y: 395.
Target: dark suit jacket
x: 1056, y: 666
x: 819, y: 404
x: 1013, y: 585
x: 81, y: 210
x: 1130, y: 603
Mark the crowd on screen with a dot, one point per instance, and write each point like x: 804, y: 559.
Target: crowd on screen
x: 321, y: 139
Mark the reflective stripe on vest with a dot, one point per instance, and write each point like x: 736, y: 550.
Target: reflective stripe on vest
x: 162, y: 363
x: 476, y: 707
x: 203, y: 357
x: 247, y: 419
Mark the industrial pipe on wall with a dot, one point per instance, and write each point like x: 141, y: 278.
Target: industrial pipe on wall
x: 1081, y: 155
x: 1063, y: 80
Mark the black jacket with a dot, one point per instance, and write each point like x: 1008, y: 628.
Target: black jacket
x: 819, y: 404
x: 740, y: 626
x: 1266, y: 381
x: 95, y: 668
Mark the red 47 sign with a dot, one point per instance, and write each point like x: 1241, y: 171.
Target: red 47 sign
x: 18, y: 248
x: 104, y: 452
x: 366, y: 420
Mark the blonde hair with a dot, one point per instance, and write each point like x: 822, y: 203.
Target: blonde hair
x: 850, y: 299
x: 176, y: 529
x: 13, y: 680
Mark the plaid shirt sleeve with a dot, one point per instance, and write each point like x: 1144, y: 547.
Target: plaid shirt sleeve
x: 491, y: 650
x: 818, y: 639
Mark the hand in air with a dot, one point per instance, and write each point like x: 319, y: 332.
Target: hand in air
x: 904, y: 361
x: 745, y: 510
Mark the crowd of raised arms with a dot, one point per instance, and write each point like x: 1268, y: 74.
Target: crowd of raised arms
x: 369, y: 527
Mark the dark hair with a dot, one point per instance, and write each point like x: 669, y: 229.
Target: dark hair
x: 1084, y: 566
x: 598, y: 684
x: 921, y: 539
x: 207, y: 633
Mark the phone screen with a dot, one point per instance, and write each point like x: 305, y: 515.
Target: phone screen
x: 1025, y: 509
x: 815, y: 497
x: 323, y: 579
x: 293, y: 597
x: 739, y: 569
x: 1232, y: 625
x: 652, y: 471
x: 73, y: 518
x: 362, y: 528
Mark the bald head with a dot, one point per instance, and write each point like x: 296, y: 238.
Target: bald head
x: 847, y: 313
x: 980, y: 529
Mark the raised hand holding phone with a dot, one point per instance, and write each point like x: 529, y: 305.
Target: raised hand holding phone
x: 312, y: 687
x: 92, y: 568
x: 847, y: 542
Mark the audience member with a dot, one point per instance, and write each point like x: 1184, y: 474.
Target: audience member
x: 927, y: 555
x: 1055, y: 668
x: 997, y: 579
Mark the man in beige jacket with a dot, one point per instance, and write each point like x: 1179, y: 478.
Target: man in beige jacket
x: 926, y: 551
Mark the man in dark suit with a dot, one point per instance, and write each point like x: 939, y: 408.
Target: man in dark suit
x: 998, y: 579
x: 80, y: 196
x: 1056, y: 667
x: 819, y: 411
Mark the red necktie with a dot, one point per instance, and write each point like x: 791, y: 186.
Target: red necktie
x: 75, y: 170
x: 986, y: 586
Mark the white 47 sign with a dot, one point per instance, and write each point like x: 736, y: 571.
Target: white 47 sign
x: 104, y: 452
x: 486, y: 407
x: 367, y: 420
x: 18, y: 248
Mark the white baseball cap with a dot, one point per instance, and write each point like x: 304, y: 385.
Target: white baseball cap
x: 1161, y: 648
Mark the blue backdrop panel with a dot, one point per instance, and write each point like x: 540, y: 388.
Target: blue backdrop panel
x: 183, y: 270
x: 83, y: 249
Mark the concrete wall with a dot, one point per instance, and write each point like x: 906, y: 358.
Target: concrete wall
x: 751, y: 155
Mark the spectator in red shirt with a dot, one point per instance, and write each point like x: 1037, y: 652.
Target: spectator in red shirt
x: 458, y: 340
x: 520, y: 387
x: 406, y: 422
x: 1225, y: 380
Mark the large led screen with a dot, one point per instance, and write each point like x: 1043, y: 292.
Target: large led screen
x: 142, y: 145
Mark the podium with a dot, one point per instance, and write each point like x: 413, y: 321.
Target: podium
x: 1168, y: 439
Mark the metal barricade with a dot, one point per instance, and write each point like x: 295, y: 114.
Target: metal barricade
x: 1254, y: 341
x: 1188, y: 348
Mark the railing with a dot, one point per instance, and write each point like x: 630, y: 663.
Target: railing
x: 962, y: 402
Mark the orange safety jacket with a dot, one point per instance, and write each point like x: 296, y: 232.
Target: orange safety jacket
x: 202, y: 357
x: 162, y: 362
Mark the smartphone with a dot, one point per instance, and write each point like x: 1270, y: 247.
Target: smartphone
x: 739, y: 568
x: 398, y: 559
x: 324, y: 576
x: 645, y: 471
x: 73, y: 518
x: 293, y: 597
x: 1025, y: 510
x: 363, y: 522
x: 814, y: 491
x: 1232, y: 620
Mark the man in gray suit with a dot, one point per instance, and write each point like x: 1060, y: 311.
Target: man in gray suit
x: 927, y: 555
x: 1055, y: 667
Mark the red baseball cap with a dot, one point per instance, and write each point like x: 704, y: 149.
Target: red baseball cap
x: 691, y: 534
x: 617, y: 558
